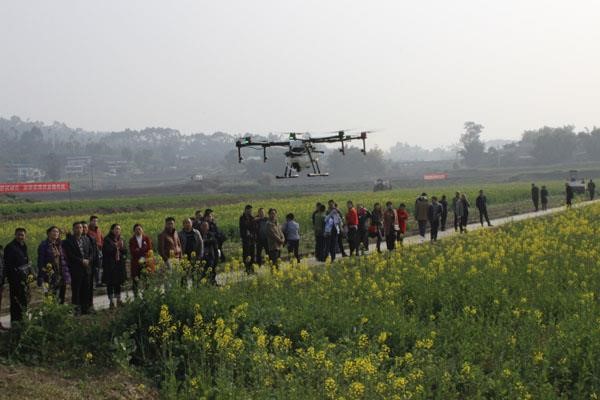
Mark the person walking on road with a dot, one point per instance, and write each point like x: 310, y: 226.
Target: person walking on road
x: 591, y: 187
x: 421, y: 214
x: 481, y: 204
x: 434, y: 213
x: 535, y: 196
x: 544, y: 198
x: 569, y: 195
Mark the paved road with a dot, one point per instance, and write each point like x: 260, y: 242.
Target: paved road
x: 101, y: 302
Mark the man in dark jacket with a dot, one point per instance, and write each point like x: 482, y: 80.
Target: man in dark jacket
x: 95, y: 261
x: 2, y: 278
x: 434, y: 213
x: 444, y: 204
x: 17, y: 269
x: 591, y: 186
x: 421, y: 210
x: 261, y: 231
x: 544, y: 198
x: 481, y: 204
x: 535, y: 196
x: 211, y: 253
x: 248, y: 235
x: 78, y: 252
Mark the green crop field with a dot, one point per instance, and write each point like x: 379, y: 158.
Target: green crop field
x: 511, y: 312
x: 504, y: 199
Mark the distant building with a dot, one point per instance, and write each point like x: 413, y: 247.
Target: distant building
x: 78, y: 166
x: 20, y: 172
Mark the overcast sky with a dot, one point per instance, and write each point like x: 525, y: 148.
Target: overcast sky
x: 417, y: 70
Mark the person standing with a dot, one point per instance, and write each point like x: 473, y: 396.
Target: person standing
x: 341, y: 231
x: 364, y: 220
x: 464, y: 218
x: 95, y: 234
x: 376, y: 226
x: 444, y: 203
x: 591, y: 187
x: 331, y: 231
x: 544, y: 198
x: 402, y: 221
x: 53, y: 272
x: 315, y: 212
x: 352, y: 226
x: 481, y: 204
x: 248, y: 236
x: 209, y: 217
x: 275, y: 237
x: 319, y: 230
x: 17, y: 269
x: 169, y: 244
x: 435, y: 214
x: 569, y: 195
x: 198, y: 219
x: 95, y: 264
x: 421, y: 214
x: 113, y: 255
x: 535, y: 196
x: 291, y: 232
x: 78, y: 253
x: 262, y: 243
x: 140, y: 246
x: 211, y: 254
x: 456, y: 210
x: 2, y: 280
x: 390, y: 225
x: 191, y: 241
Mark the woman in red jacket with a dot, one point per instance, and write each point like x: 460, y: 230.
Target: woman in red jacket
x: 139, y: 247
x: 403, y: 216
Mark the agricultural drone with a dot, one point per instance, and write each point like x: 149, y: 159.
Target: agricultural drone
x: 302, y: 153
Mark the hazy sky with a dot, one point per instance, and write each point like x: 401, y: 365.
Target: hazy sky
x: 417, y: 70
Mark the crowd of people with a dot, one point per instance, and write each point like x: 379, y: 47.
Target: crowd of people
x: 86, y: 258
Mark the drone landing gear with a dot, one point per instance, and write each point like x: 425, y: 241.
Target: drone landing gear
x: 289, y: 173
x: 319, y: 174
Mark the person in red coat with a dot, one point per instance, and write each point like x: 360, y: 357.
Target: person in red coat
x: 140, y: 246
x: 352, y: 226
x: 403, y: 216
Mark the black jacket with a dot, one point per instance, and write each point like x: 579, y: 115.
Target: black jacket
x: 481, y: 202
x: 74, y: 256
x: 15, y: 255
x: 113, y: 270
x: 247, y: 229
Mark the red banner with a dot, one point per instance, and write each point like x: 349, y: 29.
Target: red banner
x: 435, y: 177
x: 35, y: 187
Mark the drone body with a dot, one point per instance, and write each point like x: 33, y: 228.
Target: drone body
x: 302, y: 153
